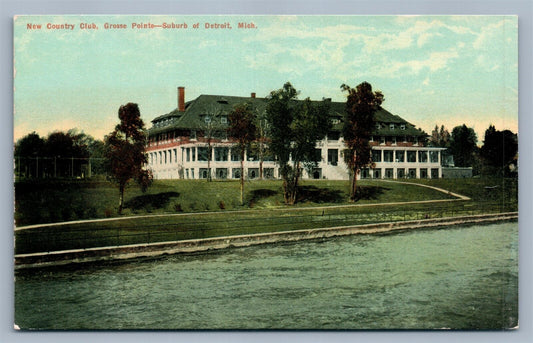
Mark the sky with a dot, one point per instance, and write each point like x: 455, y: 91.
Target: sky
x: 432, y: 70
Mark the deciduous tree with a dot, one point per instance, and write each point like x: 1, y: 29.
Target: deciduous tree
x: 125, y: 151
x: 463, y: 146
x: 499, y: 149
x: 295, y: 127
x: 361, y: 105
x: 243, y: 130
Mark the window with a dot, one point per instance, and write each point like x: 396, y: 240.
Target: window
x: 400, y: 173
x: 224, y: 120
x: 175, y: 155
x: 434, y: 157
x: 236, y: 173
x: 204, y: 173
x: 222, y: 173
x: 193, y: 134
x: 402, y: 126
x: 333, y: 156
x: 268, y: 173
x: 203, y: 154
x: 388, y: 156
x: 188, y: 153
x: 252, y: 155
x: 423, y: 157
x: 193, y: 151
x: 382, y: 140
x: 376, y: 155
x: 423, y: 173
x: 377, y: 173
x: 253, y: 173
x: 192, y: 173
x: 434, y: 173
x: 400, y: 156
x: 378, y: 126
x: 221, y: 154
x: 412, y: 173
x: 235, y: 154
x: 365, y: 173
x: 207, y: 119
x: 335, y: 121
x: 391, y: 126
x: 389, y: 173
x: 371, y: 138
x: 411, y: 156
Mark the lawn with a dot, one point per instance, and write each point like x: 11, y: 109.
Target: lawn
x: 190, y: 209
x: 59, y: 201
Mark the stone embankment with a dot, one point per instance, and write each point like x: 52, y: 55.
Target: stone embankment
x: 110, y: 253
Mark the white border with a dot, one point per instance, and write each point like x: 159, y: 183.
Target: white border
x: 522, y: 8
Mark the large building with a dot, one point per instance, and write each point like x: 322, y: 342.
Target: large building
x: 178, y: 145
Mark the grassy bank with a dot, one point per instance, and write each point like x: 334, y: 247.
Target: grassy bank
x: 59, y: 201
x: 198, y: 209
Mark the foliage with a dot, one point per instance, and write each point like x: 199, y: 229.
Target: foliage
x: 361, y: 105
x: 499, y: 151
x: 61, y: 154
x: 440, y: 137
x: 463, y: 146
x: 243, y: 130
x: 125, y: 151
x: 295, y: 127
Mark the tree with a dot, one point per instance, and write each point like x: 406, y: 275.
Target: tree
x: 295, y: 127
x: 499, y: 150
x: 361, y: 105
x: 463, y: 146
x: 125, y: 151
x: 260, y: 145
x: 27, y: 151
x: 439, y: 138
x: 242, y: 129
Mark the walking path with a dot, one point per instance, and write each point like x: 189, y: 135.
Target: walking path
x: 458, y: 197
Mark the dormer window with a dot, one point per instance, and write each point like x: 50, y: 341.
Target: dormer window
x: 224, y: 120
x: 394, y: 140
x: 207, y: 119
x: 402, y: 126
x: 391, y: 126
x: 223, y: 101
x: 382, y: 140
x: 335, y: 121
x: 378, y: 126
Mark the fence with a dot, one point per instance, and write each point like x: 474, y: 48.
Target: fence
x: 57, y: 167
x: 183, y: 227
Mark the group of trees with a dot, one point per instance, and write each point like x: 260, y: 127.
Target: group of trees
x: 61, y: 154
x: 497, y: 155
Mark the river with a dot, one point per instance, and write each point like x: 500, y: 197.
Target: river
x: 457, y: 277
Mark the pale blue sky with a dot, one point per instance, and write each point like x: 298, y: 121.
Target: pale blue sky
x: 432, y: 69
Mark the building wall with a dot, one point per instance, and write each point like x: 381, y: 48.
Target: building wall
x: 181, y: 158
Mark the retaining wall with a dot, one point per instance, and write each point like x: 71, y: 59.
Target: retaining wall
x: 64, y: 257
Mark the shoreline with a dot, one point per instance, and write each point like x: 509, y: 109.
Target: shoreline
x: 126, y: 252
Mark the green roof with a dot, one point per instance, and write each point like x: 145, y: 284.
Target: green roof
x: 218, y: 106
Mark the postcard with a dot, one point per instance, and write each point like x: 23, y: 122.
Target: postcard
x: 266, y: 172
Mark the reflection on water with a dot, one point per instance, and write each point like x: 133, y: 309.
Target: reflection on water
x: 459, y: 277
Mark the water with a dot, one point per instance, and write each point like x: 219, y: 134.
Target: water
x: 459, y: 277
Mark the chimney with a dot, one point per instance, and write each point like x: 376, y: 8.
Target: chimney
x: 253, y: 95
x: 181, y: 99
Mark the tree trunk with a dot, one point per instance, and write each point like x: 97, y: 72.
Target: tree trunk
x: 242, y: 179
x: 353, y: 185
x: 121, y: 198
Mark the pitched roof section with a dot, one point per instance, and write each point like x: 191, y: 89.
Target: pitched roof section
x: 218, y: 106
